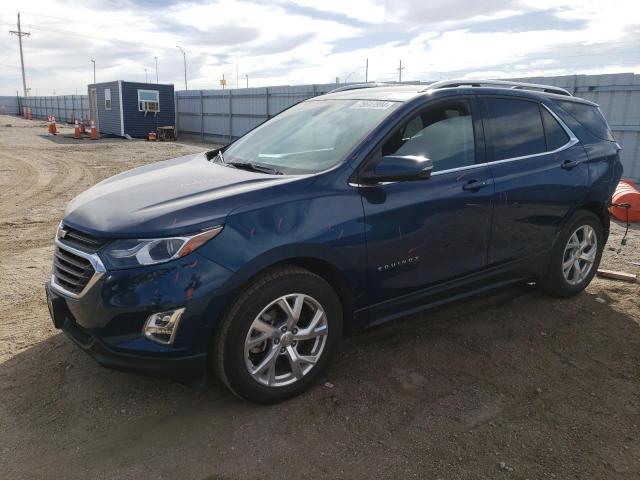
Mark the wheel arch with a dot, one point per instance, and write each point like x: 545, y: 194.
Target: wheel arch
x: 601, y: 211
x: 316, y: 260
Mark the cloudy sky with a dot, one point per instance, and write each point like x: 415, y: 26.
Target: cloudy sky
x: 312, y: 41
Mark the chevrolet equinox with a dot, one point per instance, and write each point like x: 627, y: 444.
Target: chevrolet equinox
x: 342, y: 212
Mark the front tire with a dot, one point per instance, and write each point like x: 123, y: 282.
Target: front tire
x: 278, y: 335
x: 575, y: 257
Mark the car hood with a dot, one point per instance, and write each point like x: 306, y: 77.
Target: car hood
x: 182, y: 195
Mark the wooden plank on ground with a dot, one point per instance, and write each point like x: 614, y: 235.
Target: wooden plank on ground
x: 624, y: 276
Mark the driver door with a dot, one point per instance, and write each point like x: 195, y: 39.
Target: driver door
x: 423, y: 232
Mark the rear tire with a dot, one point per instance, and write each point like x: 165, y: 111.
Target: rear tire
x: 575, y: 256
x: 277, y: 336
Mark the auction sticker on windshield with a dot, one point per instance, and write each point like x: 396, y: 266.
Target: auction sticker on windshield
x: 372, y: 104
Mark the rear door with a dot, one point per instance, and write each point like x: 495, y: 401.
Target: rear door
x: 540, y: 174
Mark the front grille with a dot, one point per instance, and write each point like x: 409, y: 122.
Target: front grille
x: 72, y: 272
x: 80, y: 240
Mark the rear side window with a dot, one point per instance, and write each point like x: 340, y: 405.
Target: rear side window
x: 553, y: 131
x: 590, y: 117
x: 516, y: 128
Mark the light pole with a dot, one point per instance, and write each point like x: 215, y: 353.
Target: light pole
x: 94, y: 70
x: 156, y: 58
x: 146, y: 78
x: 184, y: 57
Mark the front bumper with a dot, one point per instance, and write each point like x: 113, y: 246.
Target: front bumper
x: 107, y: 321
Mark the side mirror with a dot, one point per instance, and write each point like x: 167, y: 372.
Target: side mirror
x: 399, y: 168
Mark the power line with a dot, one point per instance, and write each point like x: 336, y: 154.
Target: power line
x: 66, y: 20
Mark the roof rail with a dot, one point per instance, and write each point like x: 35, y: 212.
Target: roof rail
x: 356, y: 86
x: 498, y: 84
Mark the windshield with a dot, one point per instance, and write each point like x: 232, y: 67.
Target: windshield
x: 311, y: 136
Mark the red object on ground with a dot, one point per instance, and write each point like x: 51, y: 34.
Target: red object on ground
x: 76, y: 131
x: 626, y: 192
x: 94, y: 131
x: 54, y: 130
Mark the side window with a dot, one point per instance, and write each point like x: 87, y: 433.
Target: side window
x: 443, y: 134
x: 107, y: 99
x: 516, y: 128
x: 553, y: 131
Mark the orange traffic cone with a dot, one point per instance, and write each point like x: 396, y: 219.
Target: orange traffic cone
x: 76, y: 131
x: 49, y: 124
x: 94, y: 131
x: 54, y: 131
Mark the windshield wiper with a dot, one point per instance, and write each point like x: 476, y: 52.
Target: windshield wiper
x: 220, y: 157
x: 254, y: 167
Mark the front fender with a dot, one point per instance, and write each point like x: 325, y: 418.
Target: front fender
x: 328, y: 227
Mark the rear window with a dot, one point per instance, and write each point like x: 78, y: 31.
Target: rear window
x: 516, y: 128
x: 590, y: 117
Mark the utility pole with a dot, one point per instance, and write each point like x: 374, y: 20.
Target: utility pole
x: 156, y: 59
x: 400, y: 68
x: 366, y: 72
x: 21, y: 34
x: 184, y: 56
x: 247, y: 79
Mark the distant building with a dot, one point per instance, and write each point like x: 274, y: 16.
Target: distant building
x: 131, y: 108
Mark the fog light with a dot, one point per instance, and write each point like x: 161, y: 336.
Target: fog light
x: 161, y: 327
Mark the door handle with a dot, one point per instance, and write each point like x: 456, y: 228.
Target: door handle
x: 569, y: 164
x: 475, y: 185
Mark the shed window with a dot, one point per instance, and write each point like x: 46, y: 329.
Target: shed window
x: 107, y: 99
x: 148, y: 101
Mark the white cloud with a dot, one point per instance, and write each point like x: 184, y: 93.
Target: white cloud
x: 305, y: 41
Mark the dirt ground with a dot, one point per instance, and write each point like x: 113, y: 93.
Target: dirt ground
x: 513, y: 385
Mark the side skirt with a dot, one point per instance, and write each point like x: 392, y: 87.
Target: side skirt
x: 453, y: 290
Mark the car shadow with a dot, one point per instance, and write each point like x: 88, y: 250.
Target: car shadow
x: 550, y: 384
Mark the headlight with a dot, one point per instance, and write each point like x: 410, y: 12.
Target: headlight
x: 136, y: 252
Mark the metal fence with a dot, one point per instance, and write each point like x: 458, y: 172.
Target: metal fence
x: 66, y: 108
x: 9, y: 105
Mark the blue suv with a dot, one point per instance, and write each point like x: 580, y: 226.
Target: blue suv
x: 343, y: 212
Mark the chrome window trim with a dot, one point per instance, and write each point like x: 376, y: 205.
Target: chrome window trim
x: 573, y: 140
x: 96, y: 263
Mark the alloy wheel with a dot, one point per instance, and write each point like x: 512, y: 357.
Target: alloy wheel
x: 286, y: 340
x: 579, y: 254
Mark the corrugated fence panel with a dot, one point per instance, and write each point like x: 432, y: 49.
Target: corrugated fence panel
x: 8, y: 105
x: 66, y: 108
